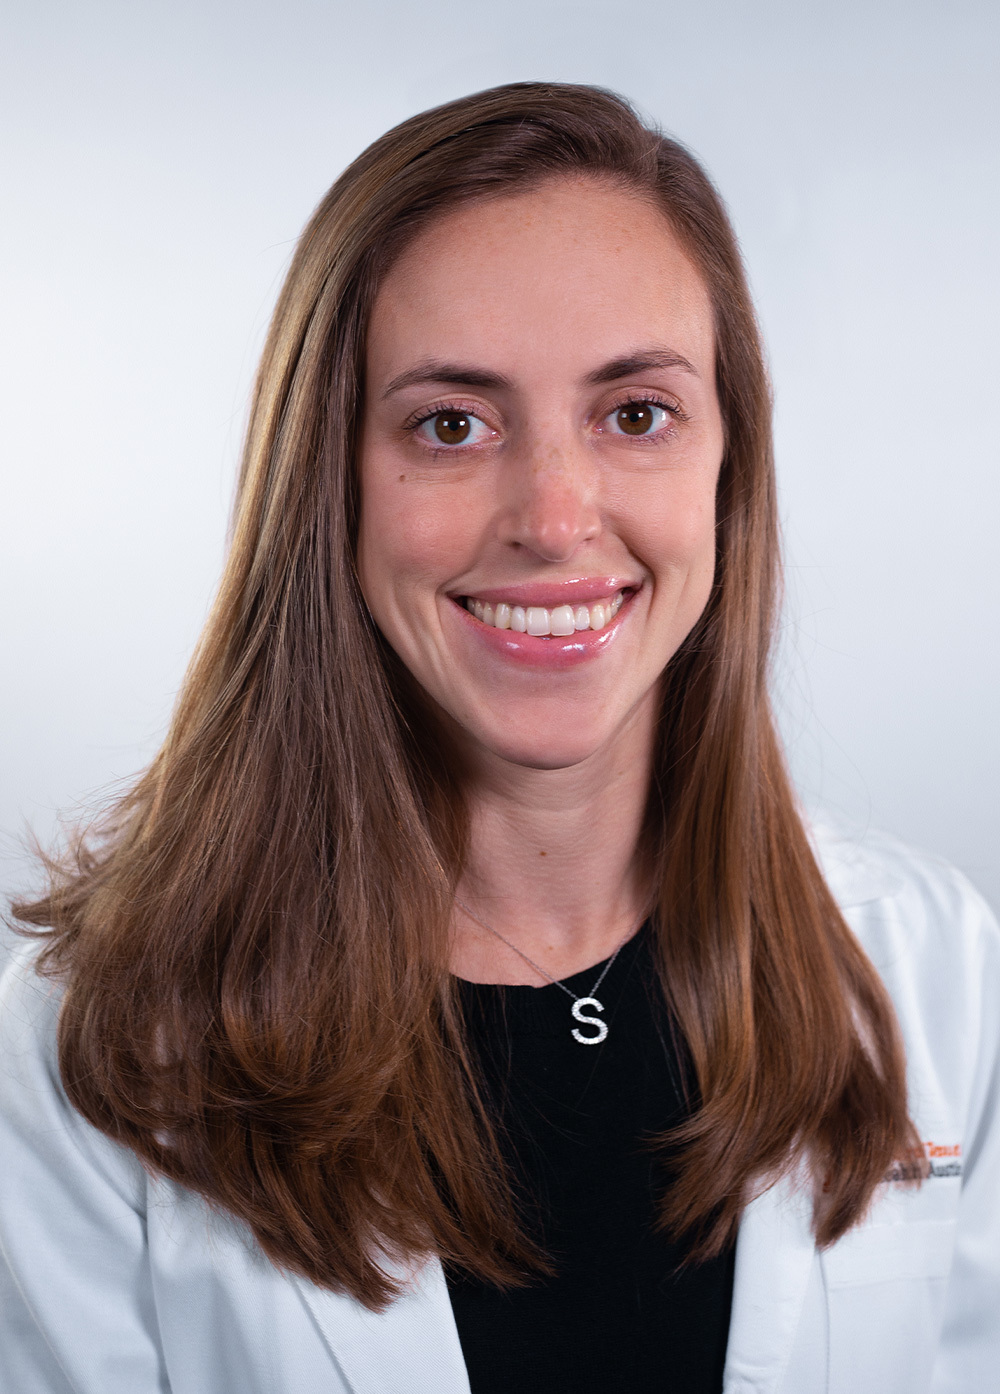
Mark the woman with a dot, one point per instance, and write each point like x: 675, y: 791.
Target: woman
x: 459, y: 1001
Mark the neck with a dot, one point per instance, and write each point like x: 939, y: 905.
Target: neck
x: 553, y: 863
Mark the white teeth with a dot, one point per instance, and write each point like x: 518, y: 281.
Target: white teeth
x: 539, y: 621
x: 562, y: 621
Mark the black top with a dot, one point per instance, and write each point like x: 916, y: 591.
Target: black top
x: 620, y: 1313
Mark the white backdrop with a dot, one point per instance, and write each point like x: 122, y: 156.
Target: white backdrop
x: 157, y: 161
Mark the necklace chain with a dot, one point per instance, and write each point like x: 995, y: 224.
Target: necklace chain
x: 578, y: 1002
x: 537, y: 966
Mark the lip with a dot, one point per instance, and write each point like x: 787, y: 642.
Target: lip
x: 550, y: 652
x: 582, y: 591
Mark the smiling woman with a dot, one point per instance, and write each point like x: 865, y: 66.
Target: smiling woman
x: 293, y: 1097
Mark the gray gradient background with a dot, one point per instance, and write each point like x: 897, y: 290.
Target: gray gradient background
x: 157, y: 161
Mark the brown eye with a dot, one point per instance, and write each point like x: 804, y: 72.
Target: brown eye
x: 635, y: 418
x: 452, y: 427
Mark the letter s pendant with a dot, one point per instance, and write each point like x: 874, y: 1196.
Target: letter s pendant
x: 580, y: 1015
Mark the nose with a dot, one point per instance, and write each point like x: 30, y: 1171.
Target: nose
x: 551, y: 503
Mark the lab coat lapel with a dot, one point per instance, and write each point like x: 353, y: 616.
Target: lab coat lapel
x: 774, y: 1255
x: 413, y: 1345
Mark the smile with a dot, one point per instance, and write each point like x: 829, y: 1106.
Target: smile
x: 540, y: 621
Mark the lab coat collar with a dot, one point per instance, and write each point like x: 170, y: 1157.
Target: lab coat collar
x: 414, y: 1344
x: 774, y: 1256
x: 853, y: 874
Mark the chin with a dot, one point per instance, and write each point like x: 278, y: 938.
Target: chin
x: 543, y: 751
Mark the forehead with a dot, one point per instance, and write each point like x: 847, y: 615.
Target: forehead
x: 552, y: 279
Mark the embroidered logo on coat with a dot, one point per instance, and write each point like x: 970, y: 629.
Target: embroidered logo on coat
x: 939, y: 1159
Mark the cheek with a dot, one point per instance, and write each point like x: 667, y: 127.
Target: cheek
x: 409, y: 536
x: 381, y: 535
x: 675, y: 533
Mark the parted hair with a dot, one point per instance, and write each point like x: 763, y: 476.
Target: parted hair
x: 254, y: 939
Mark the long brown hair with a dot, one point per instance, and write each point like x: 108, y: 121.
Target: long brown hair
x: 255, y: 942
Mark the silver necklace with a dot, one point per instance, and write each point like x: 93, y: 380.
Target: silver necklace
x: 578, y: 1009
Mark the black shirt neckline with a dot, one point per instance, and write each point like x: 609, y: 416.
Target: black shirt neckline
x: 523, y: 1006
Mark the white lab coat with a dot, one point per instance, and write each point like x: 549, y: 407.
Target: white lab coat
x: 112, y: 1283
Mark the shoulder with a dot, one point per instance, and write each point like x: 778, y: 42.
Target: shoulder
x: 901, y: 901
x: 936, y: 945
x: 29, y: 1018
x: 40, y: 1130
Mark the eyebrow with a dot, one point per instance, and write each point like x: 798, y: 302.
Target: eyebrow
x: 466, y: 375
x: 454, y: 374
x: 640, y: 362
